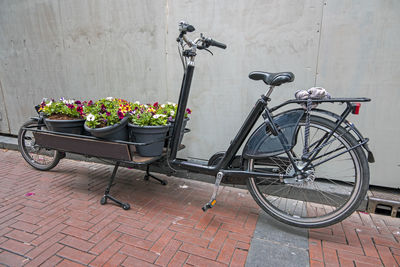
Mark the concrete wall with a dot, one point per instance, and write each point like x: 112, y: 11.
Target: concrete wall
x: 126, y: 48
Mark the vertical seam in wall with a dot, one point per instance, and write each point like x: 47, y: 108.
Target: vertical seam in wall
x: 62, y: 55
x: 61, y: 24
x: 319, y: 42
x: 5, y: 107
x: 166, y: 48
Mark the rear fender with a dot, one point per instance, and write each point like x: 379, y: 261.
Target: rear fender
x: 263, y: 143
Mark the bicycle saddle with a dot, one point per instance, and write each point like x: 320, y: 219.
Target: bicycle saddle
x: 274, y: 79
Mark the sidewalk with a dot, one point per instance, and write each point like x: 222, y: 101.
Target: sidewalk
x: 61, y: 222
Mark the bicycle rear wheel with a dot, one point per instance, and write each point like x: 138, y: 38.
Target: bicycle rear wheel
x: 38, y: 157
x: 333, y: 190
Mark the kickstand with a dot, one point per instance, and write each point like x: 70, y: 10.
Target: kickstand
x: 149, y: 175
x: 213, y: 199
x: 107, y: 195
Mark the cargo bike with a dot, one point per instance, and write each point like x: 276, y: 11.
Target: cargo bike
x: 306, y: 166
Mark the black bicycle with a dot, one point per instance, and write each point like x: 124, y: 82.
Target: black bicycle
x: 306, y: 167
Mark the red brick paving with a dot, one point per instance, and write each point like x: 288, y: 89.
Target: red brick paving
x: 63, y: 223
x: 360, y: 240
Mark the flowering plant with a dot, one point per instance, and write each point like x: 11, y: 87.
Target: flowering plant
x: 170, y: 109
x: 148, y: 115
x: 63, y: 109
x: 106, y: 112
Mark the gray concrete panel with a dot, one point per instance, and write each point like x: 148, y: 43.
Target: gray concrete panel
x: 260, y: 35
x: 92, y: 49
x: 360, y: 56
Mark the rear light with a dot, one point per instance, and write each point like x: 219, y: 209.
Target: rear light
x: 356, y: 108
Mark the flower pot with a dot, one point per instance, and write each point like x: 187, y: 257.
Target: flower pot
x: 65, y: 126
x: 118, y: 131
x: 171, y: 128
x: 148, y: 134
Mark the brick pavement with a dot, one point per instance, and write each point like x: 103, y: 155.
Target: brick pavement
x: 62, y: 222
x: 361, y: 240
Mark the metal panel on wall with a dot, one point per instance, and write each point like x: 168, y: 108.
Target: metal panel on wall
x: 4, y: 126
x: 126, y: 48
x: 360, y: 56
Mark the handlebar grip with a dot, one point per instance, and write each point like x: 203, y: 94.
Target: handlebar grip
x: 217, y: 44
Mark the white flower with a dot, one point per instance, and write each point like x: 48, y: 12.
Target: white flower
x: 146, y: 106
x: 172, y: 113
x: 90, y: 117
x: 48, y: 104
x: 109, y: 98
x: 69, y: 101
x: 171, y: 104
x: 137, y: 103
x: 156, y: 116
x: 163, y: 106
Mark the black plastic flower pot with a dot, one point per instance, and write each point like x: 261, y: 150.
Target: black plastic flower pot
x: 118, y: 131
x: 65, y: 126
x: 154, y: 135
x: 171, y: 127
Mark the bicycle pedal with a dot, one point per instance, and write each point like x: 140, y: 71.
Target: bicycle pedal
x: 209, y: 205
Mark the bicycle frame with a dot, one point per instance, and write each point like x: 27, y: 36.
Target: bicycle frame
x: 260, y: 107
x: 235, y: 144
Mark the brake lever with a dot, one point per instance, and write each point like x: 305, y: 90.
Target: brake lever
x: 209, y: 51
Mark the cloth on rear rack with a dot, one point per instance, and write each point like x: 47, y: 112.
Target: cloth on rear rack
x: 312, y: 93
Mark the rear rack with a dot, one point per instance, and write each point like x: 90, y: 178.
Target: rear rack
x: 317, y: 101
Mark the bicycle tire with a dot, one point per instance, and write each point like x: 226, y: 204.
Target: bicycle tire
x: 312, y: 215
x: 38, y: 157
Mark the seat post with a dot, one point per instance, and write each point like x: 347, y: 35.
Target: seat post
x: 271, y: 88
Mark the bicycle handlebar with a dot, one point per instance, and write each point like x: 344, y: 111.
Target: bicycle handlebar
x: 200, y: 43
x: 211, y: 42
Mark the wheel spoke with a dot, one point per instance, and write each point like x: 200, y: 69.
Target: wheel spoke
x: 323, y: 192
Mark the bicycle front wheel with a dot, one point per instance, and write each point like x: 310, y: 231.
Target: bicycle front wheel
x: 38, y: 157
x: 334, y: 188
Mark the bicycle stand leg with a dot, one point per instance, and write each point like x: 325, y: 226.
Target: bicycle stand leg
x: 149, y: 175
x: 213, y: 199
x: 107, y: 195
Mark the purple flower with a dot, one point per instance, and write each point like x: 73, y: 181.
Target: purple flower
x: 120, y: 115
x: 170, y: 118
x: 78, y: 102
x: 108, y: 113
